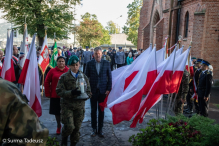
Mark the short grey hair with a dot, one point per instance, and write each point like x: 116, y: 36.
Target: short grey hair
x: 97, y: 49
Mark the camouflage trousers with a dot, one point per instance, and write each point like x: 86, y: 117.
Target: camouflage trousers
x: 178, y: 107
x: 72, y: 120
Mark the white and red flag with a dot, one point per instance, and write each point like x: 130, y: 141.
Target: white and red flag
x: 30, y: 78
x: 44, y: 56
x: 125, y: 97
x: 191, y: 70
x: 116, y: 74
x: 24, y: 48
x: 170, y: 73
x: 7, y: 72
x: 160, y: 86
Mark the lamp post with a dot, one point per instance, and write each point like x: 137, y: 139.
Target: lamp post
x: 115, y: 32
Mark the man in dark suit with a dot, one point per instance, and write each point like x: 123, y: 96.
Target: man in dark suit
x: 204, y: 88
x: 99, y: 73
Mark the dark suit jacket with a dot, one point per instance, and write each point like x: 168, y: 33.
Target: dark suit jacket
x: 105, y: 76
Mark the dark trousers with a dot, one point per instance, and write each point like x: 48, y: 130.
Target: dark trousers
x: 111, y: 67
x: 94, y: 101
x: 196, y: 106
x: 119, y: 65
x: 188, y: 100
x: 84, y: 67
x: 203, y: 105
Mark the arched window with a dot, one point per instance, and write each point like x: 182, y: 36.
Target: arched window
x: 186, y: 25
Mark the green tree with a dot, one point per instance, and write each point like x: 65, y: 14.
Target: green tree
x: 90, y: 32
x: 55, y: 14
x: 106, y: 39
x: 111, y: 27
x: 132, y: 24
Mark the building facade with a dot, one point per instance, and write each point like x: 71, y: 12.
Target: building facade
x: 194, y: 20
x: 119, y: 40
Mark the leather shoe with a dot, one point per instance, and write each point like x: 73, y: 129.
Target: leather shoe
x: 94, y: 132
x: 100, y: 133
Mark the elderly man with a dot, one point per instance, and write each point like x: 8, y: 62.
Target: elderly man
x: 99, y: 73
x: 75, y: 52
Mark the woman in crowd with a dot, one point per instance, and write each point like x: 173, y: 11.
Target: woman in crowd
x: 73, y: 107
x: 129, y: 59
x: 50, y: 89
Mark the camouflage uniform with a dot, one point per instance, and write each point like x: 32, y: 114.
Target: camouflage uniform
x: 106, y: 57
x: 72, y: 110
x: 17, y: 119
x: 183, y: 90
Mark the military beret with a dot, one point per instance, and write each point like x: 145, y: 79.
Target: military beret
x: 193, y: 58
x: 87, y: 47
x: 104, y: 50
x: 205, y: 62
x: 72, y: 60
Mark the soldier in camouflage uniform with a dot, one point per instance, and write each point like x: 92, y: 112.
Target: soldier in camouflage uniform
x: 181, y: 96
x: 18, y: 120
x: 72, y: 109
x: 106, y: 57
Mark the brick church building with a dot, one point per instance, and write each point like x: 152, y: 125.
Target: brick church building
x: 196, y: 20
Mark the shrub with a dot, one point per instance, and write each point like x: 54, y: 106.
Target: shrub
x: 156, y: 133
x: 52, y: 142
x: 206, y: 126
x: 178, y: 131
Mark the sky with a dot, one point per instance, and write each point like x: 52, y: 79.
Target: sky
x: 105, y: 10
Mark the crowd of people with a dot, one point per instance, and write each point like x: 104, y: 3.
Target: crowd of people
x: 63, y: 86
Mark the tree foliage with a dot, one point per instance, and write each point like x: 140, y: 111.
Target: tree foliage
x: 111, y: 27
x: 55, y: 14
x: 90, y: 32
x: 132, y: 24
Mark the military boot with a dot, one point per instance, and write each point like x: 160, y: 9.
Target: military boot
x: 64, y: 141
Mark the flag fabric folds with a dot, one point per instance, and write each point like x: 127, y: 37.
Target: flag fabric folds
x: 126, y: 95
x: 167, y: 81
x: 24, y: 48
x: 7, y: 71
x: 44, y: 56
x: 54, y: 57
x: 30, y: 78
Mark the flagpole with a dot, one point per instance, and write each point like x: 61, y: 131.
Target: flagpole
x: 41, y: 70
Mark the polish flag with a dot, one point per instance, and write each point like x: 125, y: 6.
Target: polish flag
x: 160, y: 55
x: 116, y: 74
x: 194, y: 89
x: 190, y: 67
x: 160, y: 86
x: 24, y: 48
x: 30, y: 78
x: 125, y: 104
x: 44, y: 56
x: 7, y: 72
x: 179, y: 67
x: 179, y: 52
